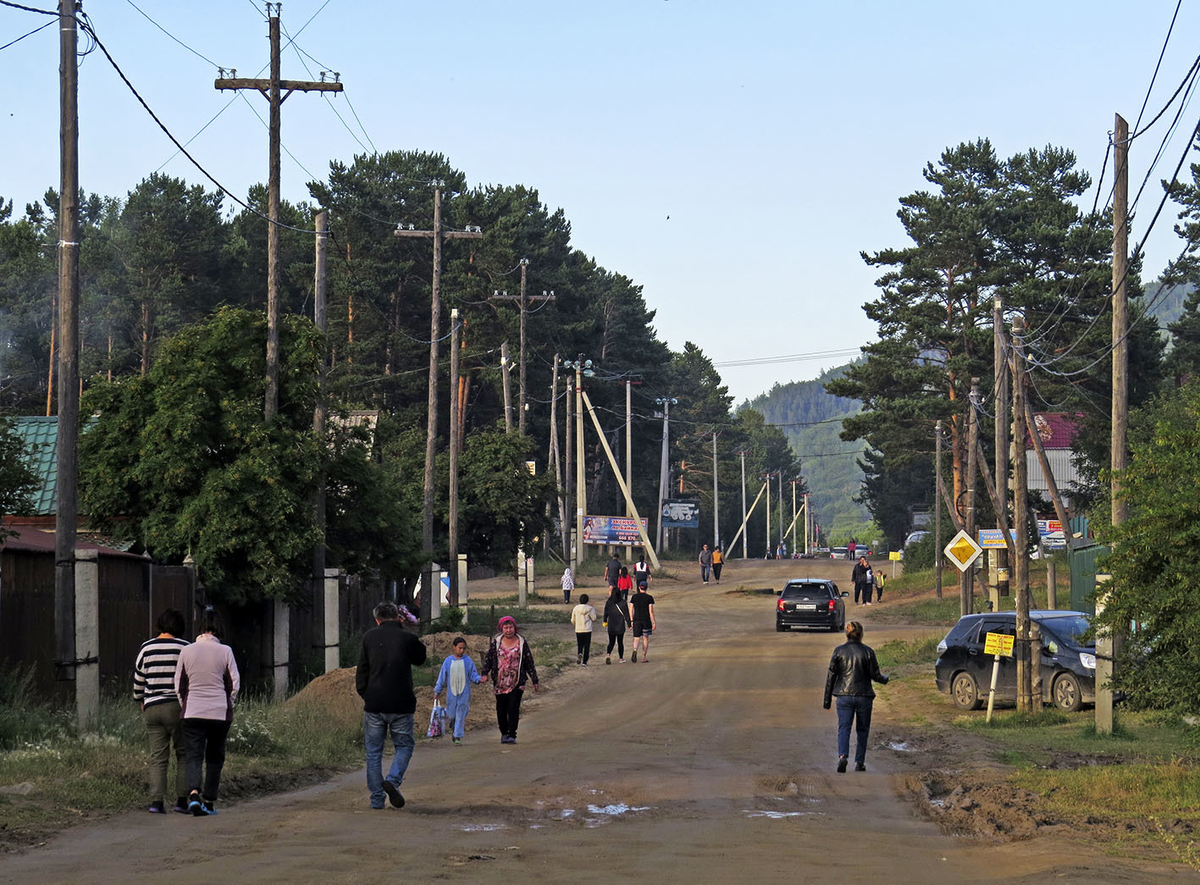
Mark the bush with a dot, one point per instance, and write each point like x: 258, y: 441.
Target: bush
x: 920, y: 554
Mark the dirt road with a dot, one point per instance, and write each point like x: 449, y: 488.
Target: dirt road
x: 712, y: 762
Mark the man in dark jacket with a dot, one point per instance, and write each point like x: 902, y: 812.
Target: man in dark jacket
x: 861, y: 576
x: 852, y: 669
x: 384, y: 681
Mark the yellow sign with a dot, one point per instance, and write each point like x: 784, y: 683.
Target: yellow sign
x: 999, y: 644
x: 894, y: 556
x: 962, y: 551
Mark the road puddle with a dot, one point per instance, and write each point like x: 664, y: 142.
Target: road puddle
x: 899, y: 746
x: 778, y: 815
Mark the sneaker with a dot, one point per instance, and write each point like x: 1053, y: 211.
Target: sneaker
x: 860, y: 766
x: 156, y: 808
x: 505, y: 739
x: 620, y: 660
x: 195, y: 806
x: 608, y: 659
x: 579, y: 659
x: 208, y: 808
x: 393, y: 794
x: 634, y: 658
x: 842, y: 760
x: 181, y: 805
x: 457, y: 740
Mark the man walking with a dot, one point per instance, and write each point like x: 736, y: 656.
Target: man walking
x: 861, y: 576
x: 612, y: 571
x: 705, y: 563
x: 384, y: 682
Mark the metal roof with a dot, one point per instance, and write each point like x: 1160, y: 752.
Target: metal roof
x: 39, y: 436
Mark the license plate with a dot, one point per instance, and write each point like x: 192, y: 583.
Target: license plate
x: 806, y: 608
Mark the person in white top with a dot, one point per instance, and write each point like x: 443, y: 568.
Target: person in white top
x: 583, y: 616
x: 207, y: 682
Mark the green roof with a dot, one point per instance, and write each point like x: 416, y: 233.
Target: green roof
x: 40, y: 439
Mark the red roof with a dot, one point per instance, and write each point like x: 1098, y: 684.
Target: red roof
x: 1057, y: 429
x: 35, y: 540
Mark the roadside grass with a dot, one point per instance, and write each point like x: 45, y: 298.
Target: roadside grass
x: 902, y: 651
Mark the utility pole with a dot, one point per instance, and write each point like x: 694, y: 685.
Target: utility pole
x: 452, y: 541
x: 582, y: 368
x: 320, y: 320
x: 793, y: 484
x: 276, y: 91
x: 1020, y: 517
x: 68, y: 349
x: 967, y: 578
x: 1001, y: 409
x: 745, y: 546
x: 779, y: 504
x: 937, y: 508
x: 767, y: 477
x: 523, y: 302
x: 807, y: 525
x: 716, y: 505
x: 438, y: 235
x: 504, y: 366
x: 569, y: 473
x: 555, y: 458
x: 1120, y: 319
x: 664, y: 470
x: 628, y: 455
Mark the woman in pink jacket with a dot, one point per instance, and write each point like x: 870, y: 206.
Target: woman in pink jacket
x: 207, y: 682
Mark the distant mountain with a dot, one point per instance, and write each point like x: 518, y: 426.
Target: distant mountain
x: 811, y: 420
x: 1168, y: 306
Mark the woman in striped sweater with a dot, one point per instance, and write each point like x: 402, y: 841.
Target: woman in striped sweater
x: 154, y: 688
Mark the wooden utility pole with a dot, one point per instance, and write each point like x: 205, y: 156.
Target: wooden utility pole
x: 455, y: 329
x: 569, y: 472
x: 438, y: 235
x: 745, y: 546
x: 937, y: 508
x: 580, y: 475
x: 504, y: 366
x: 1001, y: 410
x: 1120, y: 318
x: 276, y: 91
x: 320, y: 318
x: 966, y: 578
x: 1021, y: 518
x: 555, y: 458
x: 523, y: 302
x: 716, y: 497
x: 664, y: 469
x: 68, y: 345
x: 628, y: 457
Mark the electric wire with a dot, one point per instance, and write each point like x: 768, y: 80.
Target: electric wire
x: 1157, y: 65
x: 190, y: 49
x: 23, y: 36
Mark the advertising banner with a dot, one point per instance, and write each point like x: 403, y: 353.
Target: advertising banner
x: 678, y: 513
x: 611, y: 530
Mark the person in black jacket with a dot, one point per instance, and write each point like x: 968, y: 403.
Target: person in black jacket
x: 616, y: 616
x: 852, y: 669
x: 384, y: 682
x: 861, y: 576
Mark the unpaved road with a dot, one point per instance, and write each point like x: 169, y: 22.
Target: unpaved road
x: 718, y: 746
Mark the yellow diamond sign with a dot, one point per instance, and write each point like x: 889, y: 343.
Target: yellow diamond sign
x: 962, y: 551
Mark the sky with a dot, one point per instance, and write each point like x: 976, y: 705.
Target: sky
x: 733, y: 158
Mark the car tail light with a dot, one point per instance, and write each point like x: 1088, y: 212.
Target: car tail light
x: 779, y: 604
x: 832, y: 604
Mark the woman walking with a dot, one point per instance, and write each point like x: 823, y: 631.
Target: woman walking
x: 207, y: 683
x: 509, y: 664
x: 718, y: 563
x: 616, y: 616
x: 852, y: 669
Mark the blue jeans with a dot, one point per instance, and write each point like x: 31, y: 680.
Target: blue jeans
x: 375, y: 728
x: 850, y: 709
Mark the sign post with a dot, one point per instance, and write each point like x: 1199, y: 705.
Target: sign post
x: 894, y: 556
x: 996, y: 645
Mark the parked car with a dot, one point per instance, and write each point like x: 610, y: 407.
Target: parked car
x: 810, y: 603
x: 839, y: 553
x: 1068, y: 661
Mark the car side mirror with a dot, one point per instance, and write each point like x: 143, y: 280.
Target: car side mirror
x: 845, y: 594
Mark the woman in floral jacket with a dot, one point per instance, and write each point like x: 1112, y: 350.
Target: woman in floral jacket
x: 509, y: 664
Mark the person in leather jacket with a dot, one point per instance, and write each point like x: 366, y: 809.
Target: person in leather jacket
x: 852, y: 669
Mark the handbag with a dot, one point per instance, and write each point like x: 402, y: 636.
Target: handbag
x: 437, y: 719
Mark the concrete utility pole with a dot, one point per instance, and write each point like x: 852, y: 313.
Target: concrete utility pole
x: 276, y: 91
x: 745, y: 546
x: 794, y: 483
x: 68, y: 349
x: 452, y: 552
x: 767, y: 477
x: 664, y: 470
x: 556, y: 459
x: 966, y: 579
x: 1120, y: 318
x: 716, y: 500
x: 438, y: 235
x: 320, y: 317
x: 504, y: 374
x: 629, y: 457
x: 1000, y: 388
x: 937, y: 509
x: 1020, y: 518
x: 523, y: 302
x: 779, y: 504
x: 807, y: 525
x: 569, y: 553
x: 582, y: 367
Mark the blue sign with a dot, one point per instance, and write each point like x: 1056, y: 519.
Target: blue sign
x: 680, y: 514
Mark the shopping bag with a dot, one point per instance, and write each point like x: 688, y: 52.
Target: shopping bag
x: 436, y: 721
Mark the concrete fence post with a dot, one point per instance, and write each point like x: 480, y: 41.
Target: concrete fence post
x: 87, y: 639
x: 332, y: 632
x: 279, y: 649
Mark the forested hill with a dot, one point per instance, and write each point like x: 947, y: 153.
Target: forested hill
x: 811, y: 419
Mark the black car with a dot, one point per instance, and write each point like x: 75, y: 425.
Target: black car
x: 810, y: 603
x: 1068, y: 660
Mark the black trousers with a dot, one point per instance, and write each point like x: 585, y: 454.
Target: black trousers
x: 508, y: 711
x: 204, y: 740
x: 717, y: 570
x: 584, y: 643
x: 862, y: 590
x: 617, y: 639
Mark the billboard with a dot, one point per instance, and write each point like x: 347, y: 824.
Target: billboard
x: 678, y: 513
x: 611, y: 530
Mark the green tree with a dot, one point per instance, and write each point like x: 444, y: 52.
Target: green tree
x: 18, y: 482
x: 1152, y: 584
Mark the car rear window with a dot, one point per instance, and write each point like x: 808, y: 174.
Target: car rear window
x: 806, y: 591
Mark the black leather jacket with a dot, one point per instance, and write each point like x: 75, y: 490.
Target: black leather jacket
x: 851, y: 670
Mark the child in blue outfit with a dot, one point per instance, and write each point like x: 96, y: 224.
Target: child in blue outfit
x: 458, y: 672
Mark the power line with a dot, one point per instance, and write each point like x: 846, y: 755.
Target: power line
x: 23, y: 36
x: 788, y: 358
x: 193, y: 51
x: 1154, y: 76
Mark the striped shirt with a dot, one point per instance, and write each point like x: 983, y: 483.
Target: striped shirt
x: 154, y: 670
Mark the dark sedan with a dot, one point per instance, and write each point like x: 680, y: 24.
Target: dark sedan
x: 1068, y: 660
x: 810, y: 603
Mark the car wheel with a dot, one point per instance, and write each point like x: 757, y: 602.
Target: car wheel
x: 779, y: 628
x: 1068, y: 697
x: 965, y: 692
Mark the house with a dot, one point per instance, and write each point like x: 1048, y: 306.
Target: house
x: 1057, y: 432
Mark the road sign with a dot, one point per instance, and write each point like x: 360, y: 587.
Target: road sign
x: 999, y: 644
x: 994, y: 538
x: 962, y: 551
x: 894, y: 555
